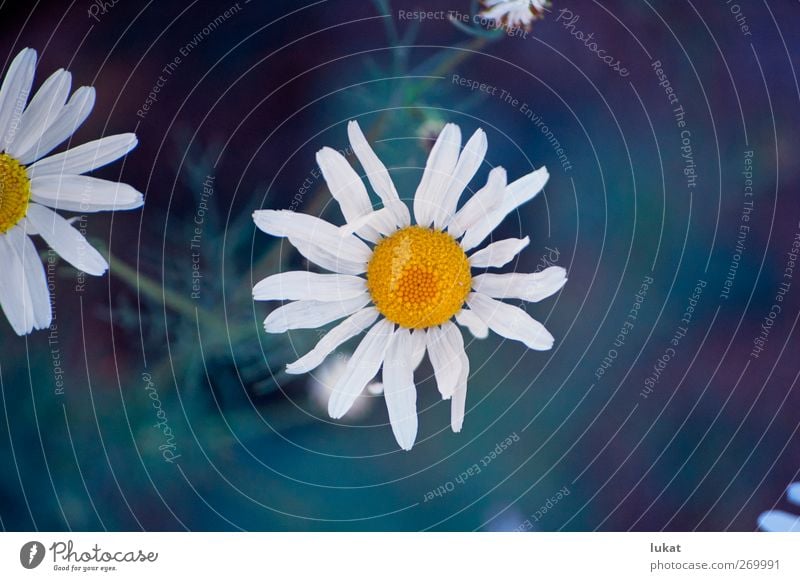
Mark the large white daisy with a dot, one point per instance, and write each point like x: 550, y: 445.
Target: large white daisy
x: 31, y: 184
x: 515, y: 13
x: 418, y: 277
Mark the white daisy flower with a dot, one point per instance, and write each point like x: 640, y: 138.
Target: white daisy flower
x: 31, y: 184
x: 418, y: 277
x: 515, y: 13
x: 778, y: 521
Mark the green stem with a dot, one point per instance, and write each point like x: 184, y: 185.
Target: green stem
x: 154, y: 291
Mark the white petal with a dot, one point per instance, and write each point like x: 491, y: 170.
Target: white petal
x: 469, y: 161
x: 473, y: 322
x: 483, y: 202
x: 419, y: 340
x: 311, y: 314
x: 373, y: 225
x: 71, y: 117
x: 41, y: 113
x: 459, y: 402
x: 86, y: 157
x: 344, y: 183
x: 12, y: 289
x: 532, y: 287
x: 15, y: 298
x: 377, y: 174
x: 314, y: 232
x: 511, y: 322
x: 36, y: 279
x: 777, y: 521
x: 83, y: 194
x: 399, y: 389
x: 68, y: 242
x: 362, y: 367
x: 28, y: 228
x: 442, y: 161
x: 324, y: 257
x: 309, y: 286
x: 15, y: 92
x: 516, y: 194
x: 445, y: 345
x: 525, y: 188
x: 347, y: 329
x: 498, y: 253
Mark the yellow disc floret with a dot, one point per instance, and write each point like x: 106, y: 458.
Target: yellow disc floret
x: 418, y: 277
x: 15, y: 192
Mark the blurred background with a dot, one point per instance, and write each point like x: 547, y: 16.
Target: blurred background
x: 157, y: 402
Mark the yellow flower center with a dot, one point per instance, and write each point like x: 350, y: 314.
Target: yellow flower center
x: 15, y: 192
x: 418, y: 277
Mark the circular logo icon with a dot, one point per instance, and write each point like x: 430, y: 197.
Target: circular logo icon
x: 31, y: 554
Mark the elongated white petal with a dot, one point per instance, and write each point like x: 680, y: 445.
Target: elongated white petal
x: 362, y: 367
x: 516, y: 194
x: 313, y: 231
x: 483, y: 202
x: 326, y: 258
x: 511, y: 322
x: 399, y: 389
x: 469, y: 161
x: 778, y: 521
x: 498, y: 253
x: 67, y: 241
x: 373, y: 225
x: 86, y: 157
x: 311, y: 314
x: 28, y: 228
x: 377, y: 174
x: 72, y: 116
x: 41, y: 113
x: 442, y: 161
x: 344, y: 183
x: 84, y: 194
x: 309, y: 286
x: 531, y: 287
x: 36, y: 280
x: 354, y: 325
x: 473, y: 322
x: 459, y: 402
x: 14, y: 297
x: 445, y: 344
x: 419, y: 341
x: 14, y: 93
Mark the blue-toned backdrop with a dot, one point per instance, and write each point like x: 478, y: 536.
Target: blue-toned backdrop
x: 670, y: 398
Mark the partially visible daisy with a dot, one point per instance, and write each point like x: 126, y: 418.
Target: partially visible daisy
x: 515, y: 13
x: 778, y: 521
x: 30, y: 186
x: 325, y: 378
x: 418, y: 277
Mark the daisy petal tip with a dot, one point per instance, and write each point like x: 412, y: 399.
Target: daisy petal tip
x: 97, y: 270
x: 294, y: 370
x: 335, y: 413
